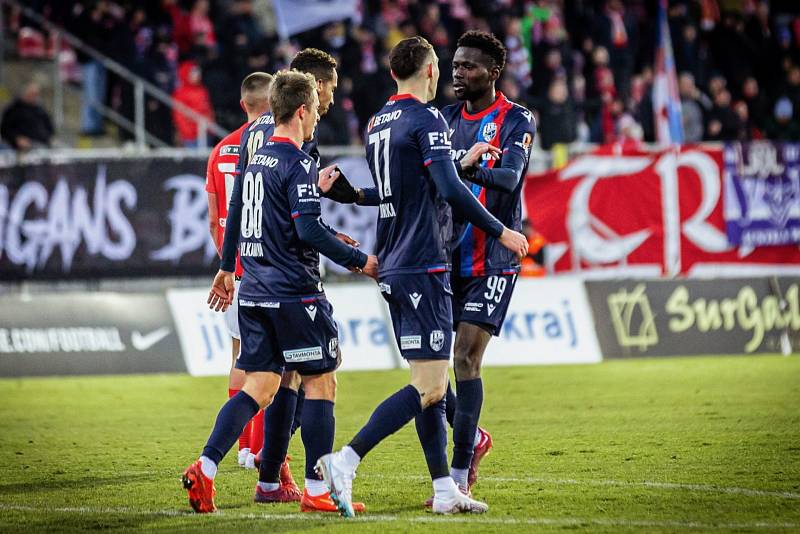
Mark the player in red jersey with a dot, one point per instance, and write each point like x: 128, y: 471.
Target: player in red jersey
x: 220, y: 176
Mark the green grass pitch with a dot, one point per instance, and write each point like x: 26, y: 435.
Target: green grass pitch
x: 660, y: 445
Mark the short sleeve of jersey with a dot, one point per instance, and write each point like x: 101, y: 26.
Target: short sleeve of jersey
x: 211, y: 183
x: 301, y: 187
x: 520, y: 138
x: 433, y: 136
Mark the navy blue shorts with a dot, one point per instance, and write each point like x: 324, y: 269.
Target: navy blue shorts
x: 422, y: 316
x: 483, y: 300
x: 296, y: 336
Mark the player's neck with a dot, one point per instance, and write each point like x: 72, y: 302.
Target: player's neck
x: 484, y: 101
x: 292, y: 130
x: 418, y: 90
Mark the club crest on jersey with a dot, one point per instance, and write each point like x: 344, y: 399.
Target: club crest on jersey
x: 437, y: 340
x: 415, y: 298
x: 527, y: 140
x: 333, y: 347
x: 311, y: 310
x: 489, y: 131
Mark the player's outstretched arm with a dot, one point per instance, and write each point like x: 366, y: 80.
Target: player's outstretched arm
x: 333, y: 184
x: 314, y: 233
x: 459, y: 197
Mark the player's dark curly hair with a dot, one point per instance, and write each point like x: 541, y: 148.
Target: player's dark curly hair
x: 486, y: 43
x: 314, y: 61
x: 408, y: 56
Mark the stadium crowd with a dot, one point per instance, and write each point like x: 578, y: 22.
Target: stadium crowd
x: 586, y: 67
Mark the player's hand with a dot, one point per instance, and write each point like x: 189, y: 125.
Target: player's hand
x: 221, y: 294
x: 515, y: 242
x: 371, y: 267
x: 347, y: 240
x: 474, y: 154
x: 327, y: 177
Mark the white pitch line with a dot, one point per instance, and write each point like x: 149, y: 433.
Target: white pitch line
x: 381, y: 518
x: 750, y: 492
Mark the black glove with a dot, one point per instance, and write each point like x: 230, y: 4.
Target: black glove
x: 342, y: 190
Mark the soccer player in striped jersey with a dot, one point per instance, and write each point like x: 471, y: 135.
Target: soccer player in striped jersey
x: 491, y: 141
x: 408, y: 151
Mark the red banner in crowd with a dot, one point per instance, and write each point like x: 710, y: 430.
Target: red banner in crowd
x: 643, y: 213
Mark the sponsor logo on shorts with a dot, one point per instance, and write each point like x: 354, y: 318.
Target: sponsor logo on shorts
x: 311, y: 310
x: 302, y: 355
x: 437, y: 340
x: 252, y: 304
x: 333, y: 347
x: 490, y: 308
x: 385, y: 288
x: 410, y: 342
x: 415, y: 298
x: 473, y: 306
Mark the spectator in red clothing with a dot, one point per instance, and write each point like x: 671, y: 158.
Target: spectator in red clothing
x: 200, y: 25
x: 193, y: 94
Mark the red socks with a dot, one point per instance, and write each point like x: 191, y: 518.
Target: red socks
x: 257, y: 432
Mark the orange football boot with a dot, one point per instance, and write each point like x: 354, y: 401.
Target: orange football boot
x: 324, y: 503
x: 201, y: 489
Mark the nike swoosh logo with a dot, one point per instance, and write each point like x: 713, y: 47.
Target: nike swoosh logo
x: 144, y: 342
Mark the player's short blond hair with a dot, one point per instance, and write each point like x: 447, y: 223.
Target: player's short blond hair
x: 290, y: 90
x: 255, y: 88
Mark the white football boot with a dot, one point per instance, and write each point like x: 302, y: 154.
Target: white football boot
x: 339, y: 480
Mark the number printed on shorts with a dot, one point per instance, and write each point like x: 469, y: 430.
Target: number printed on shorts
x: 252, y: 198
x: 496, y: 286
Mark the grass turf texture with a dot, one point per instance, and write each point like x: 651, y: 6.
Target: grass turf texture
x: 641, y: 445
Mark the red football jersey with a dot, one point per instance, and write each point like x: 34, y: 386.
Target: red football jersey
x: 220, y: 176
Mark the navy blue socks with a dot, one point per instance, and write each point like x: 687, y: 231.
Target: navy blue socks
x: 230, y: 422
x: 390, y: 416
x: 465, y: 422
x: 319, y: 426
x: 432, y: 432
x: 451, y: 402
x: 278, y: 419
x: 298, y: 411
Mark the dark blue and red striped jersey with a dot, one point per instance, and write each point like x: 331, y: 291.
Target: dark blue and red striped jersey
x: 261, y: 129
x: 278, y: 185
x: 511, y: 128
x: 414, y: 221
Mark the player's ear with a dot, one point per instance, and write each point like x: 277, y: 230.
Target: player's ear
x: 392, y: 73
x: 430, y: 70
x: 241, y: 105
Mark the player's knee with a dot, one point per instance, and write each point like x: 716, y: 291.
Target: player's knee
x: 291, y: 379
x: 432, y: 396
x: 320, y: 387
x: 467, y: 365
